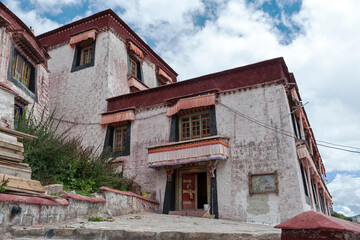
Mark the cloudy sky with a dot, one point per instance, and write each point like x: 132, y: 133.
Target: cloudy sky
x: 320, y: 41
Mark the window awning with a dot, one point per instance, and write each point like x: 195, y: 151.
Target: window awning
x: 91, y: 34
x: 192, y: 102
x: 136, y: 50
x: 117, y: 117
x: 132, y: 82
x: 302, y: 152
x: 164, y: 75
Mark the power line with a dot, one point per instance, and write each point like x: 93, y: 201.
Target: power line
x: 342, y: 149
x: 287, y: 133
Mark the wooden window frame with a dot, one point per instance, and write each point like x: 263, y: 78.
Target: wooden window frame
x: 24, y: 78
x: 79, y: 62
x: 110, y: 139
x: 122, y: 136
x: 191, y: 122
x: 136, y: 61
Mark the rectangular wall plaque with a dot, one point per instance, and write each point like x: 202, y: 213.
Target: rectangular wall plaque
x: 263, y: 183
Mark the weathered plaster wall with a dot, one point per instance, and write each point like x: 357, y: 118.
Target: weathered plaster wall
x: 252, y: 149
x: 36, y: 210
x: 257, y: 149
x: 117, y: 66
x: 42, y: 78
x: 136, y: 165
x: 149, y: 74
x: 4, y: 53
x: 79, y: 97
x: 6, y: 108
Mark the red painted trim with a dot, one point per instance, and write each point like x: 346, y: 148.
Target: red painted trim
x: 18, y: 24
x: 180, y: 146
x: 7, y: 87
x: 82, y: 198
x: 130, y: 194
x: 32, y: 200
x: 99, y: 20
x: 266, y: 72
x: 314, y: 220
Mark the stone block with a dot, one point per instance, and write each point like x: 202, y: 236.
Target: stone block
x: 54, y: 188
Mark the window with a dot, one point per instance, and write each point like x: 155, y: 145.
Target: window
x: 305, y: 182
x: 118, y: 138
x: 314, y: 195
x: 21, y: 70
x: 18, y: 111
x: 84, y: 55
x: 193, y: 126
x: 135, y: 69
x: 22, y: 73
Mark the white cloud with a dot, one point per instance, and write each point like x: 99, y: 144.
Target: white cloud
x: 345, y: 190
x: 323, y: 57
x: 53, y: 6
x: 32, y: 18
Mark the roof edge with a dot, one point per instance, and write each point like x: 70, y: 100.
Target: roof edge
x: 279, y: 60
x: 113, y: 14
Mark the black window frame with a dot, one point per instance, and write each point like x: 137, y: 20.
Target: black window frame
x: 17, y: 117
x: 140, y: 75
x: 175, y: 123
x: 109, y: 140
x: 32, y: 89
x: 305, y: 184
x: 77, y: 55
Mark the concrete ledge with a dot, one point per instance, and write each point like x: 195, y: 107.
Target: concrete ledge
x: 314, y: 225
x: 82, y: 198
x: 130, y: 194
x: 33, y: 200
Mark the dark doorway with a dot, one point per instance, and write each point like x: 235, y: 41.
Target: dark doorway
x: 202, y: 190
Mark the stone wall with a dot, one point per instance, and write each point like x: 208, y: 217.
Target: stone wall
x: 34, y: 210
x: 6, y: 108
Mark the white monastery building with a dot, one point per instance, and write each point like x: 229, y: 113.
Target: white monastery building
x: 237, y: 142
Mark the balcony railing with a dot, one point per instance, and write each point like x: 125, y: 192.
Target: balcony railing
x: 191, y: 151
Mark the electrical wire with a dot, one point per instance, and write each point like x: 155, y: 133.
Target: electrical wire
x: 290, y: 134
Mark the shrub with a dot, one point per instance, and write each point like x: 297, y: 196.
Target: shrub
x: 55, y: 157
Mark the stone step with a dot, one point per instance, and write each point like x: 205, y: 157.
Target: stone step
x: 106, y: 234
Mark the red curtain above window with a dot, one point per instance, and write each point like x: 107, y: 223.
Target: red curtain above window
x: 117, y: 117
x: 192, y: 102
x: 136, y: 50
x: 82, y: 37
x: 163, y: 74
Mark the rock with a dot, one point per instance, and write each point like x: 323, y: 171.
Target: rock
x: 54, y: 188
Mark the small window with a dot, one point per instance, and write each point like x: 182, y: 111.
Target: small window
x: 22, y: 73
x: 305, y: 183
x: 84, y: 56
x: 135, y: 69
x: 119, y: 138
x: 18, y: 111
x: 21, y: 70
x: 194, y: 126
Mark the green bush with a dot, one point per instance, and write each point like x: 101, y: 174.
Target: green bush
x: 55, y: 157
x: 342, y: 216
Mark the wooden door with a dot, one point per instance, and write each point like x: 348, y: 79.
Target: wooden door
x: 189, y: 191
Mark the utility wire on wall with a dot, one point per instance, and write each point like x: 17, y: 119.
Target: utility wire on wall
x: 290, y: 134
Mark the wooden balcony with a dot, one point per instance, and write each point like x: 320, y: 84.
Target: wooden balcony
x: 191, y: 151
